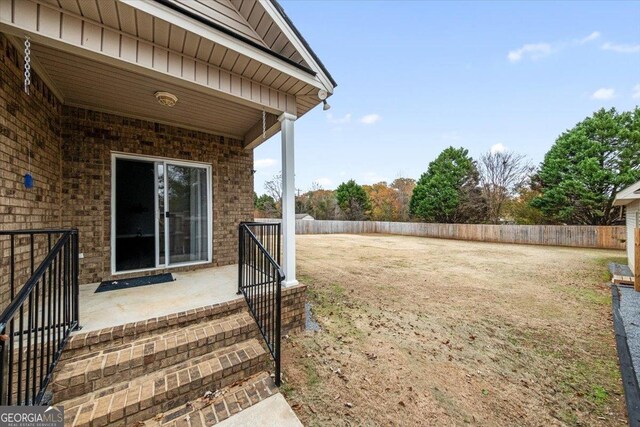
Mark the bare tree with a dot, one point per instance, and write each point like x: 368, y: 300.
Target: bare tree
x: 273, y: 187
x: 502, y: 173
x: 315, y: 186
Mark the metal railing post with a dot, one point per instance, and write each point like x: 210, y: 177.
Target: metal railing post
x: 47, y: 302
x: 76, y: 279
x: 240, y: 258
x: 278, y: 327
x: 4, y: 367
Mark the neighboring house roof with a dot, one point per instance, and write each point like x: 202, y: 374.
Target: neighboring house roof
x: 628, y: 195
x: 304, y: 216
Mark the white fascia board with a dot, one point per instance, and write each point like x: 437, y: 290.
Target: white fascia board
x: 297, y: 44
x: 218, y: 37
x: 627, y: 195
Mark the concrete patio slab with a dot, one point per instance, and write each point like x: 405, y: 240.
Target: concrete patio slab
x: 190, y: 290
x: 274, y: 411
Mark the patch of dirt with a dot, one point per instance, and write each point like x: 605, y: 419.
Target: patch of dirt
x: 419, y: 331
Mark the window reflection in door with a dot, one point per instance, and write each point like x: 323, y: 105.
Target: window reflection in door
x: 161, y: 209
x: 187, y: 213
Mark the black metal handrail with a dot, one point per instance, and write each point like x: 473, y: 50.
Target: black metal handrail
x: 35, y: 325
x: 260, y: 280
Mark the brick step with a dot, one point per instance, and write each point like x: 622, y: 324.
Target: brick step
x: 207, y: 411
x: 92, y: 341
x: 92, y: 371
x: 142, y: 398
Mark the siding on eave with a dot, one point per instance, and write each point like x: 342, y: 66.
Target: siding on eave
x: 271, y: 35
x: 223, y: 13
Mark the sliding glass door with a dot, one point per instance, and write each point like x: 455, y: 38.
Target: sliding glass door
x: 162, y: 213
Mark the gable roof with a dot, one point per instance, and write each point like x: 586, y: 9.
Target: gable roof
x: 628, y: 195
x: 262, y: 25
x: 304, y: 42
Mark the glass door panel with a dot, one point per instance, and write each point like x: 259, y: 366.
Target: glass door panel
x: 160, y: 193
x: 186, y: 218
x: 134, y: 219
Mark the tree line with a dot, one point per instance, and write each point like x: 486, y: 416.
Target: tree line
x: 575, y: 184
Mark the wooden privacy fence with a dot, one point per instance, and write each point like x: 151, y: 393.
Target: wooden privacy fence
x: 586, y: 236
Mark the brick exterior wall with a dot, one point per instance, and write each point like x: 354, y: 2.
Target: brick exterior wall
x: 71, y: 165
x: 88, y: 140
x: 29, y: 132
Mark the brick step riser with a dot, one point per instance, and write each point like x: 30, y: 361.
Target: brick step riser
x: 152, y: 338
x: 237, y: 397
x: 137, y: 367
x: 181, y: 395
x: 228, y: 378
x: 83, y: 343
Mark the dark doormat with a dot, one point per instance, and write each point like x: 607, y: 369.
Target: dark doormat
x: 114, y: 285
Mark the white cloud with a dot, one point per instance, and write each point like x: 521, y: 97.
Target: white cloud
x: 498, y: 148
x: 636, y: 92
x: 622, y: 48
x: 603, y: 93
x: 371, y: 178
x: 263, y: 163
x: 591, y: 37
x: 533, y: 51
x: 370, y: 119
x: 339, y: 120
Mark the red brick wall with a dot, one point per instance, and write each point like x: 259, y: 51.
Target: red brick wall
x: 88, y: 140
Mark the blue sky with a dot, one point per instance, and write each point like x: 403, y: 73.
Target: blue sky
x: 415, y: 77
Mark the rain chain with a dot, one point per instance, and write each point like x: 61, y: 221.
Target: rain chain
x: 264, y: 125
x: 28, y: 177
x: 27, y: 65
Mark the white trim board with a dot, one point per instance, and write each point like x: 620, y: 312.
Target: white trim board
x: 628, y: 195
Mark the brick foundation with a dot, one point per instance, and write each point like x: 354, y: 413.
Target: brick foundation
x: 293, y: 310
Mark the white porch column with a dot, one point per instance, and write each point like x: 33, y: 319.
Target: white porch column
x: 288, y: 200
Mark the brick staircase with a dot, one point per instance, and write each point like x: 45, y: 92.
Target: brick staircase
x: 192, y: 368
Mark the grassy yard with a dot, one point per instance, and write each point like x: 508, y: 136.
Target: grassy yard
x: 420, y: 331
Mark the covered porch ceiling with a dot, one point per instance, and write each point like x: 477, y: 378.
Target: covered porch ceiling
x: 224, y: 67
x: 89, y: 84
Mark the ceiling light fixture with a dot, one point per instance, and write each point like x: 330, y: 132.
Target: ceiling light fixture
x: 167, y: 99
x: 326, y: 105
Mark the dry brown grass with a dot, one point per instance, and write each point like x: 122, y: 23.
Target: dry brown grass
x: 423, y: 331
